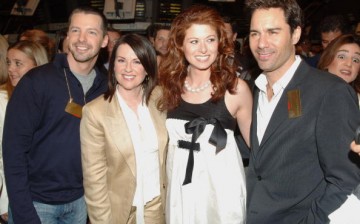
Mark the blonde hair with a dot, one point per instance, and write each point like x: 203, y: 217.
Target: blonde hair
x: 3, y: 67
x: 34, y: 51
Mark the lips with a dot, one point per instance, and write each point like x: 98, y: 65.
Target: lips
x: 129, y: 77
x: 202, y: 57
x: 345, y: 72
x: 263, y: 56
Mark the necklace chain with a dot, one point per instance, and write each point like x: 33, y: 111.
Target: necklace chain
x: 198, y: 89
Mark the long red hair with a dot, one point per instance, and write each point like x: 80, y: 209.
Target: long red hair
x: 173, y: 67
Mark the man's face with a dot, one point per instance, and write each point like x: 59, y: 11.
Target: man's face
x: 271, y: 41
x: 357, y: 30
x: 229, y: 32
x: 326, y: 38
x: 85, y: 37
x: 161, y: 41
x: 113, y: 37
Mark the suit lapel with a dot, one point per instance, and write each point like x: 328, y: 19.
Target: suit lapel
x: 253, y: 131
x: 280, y: 114
x: 118, y: 127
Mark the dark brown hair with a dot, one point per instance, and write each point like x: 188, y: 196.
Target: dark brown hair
x: 292, y: 11
x: 147, y: 56
x: 93, y: 11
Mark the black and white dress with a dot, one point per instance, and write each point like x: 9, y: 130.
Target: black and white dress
x: 206, y: 179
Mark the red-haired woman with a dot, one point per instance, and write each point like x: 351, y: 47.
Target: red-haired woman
x: 205, y: 101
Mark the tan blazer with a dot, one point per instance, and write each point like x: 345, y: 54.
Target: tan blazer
x: 108, y: 159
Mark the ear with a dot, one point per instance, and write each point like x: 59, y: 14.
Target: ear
x: 296, y: 35
x: 234, y: 36
x: 105, y: 41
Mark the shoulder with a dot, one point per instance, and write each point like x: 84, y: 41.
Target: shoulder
x: 242, y: 86
x: 98, y: 102
x: 156, y: 93
x: 241, y: 90
x: 318, y: 79
x: 242, y: 98
x: 3, y: 100
x: 3, y: 94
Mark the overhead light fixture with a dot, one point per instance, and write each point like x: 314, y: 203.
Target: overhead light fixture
x: 24, y: 7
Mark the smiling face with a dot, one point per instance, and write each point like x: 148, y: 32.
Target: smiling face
x: 271, y: 41
x: 129, y: 71
x: 18, y: 64
x: 200, y: 46
x: 85, y: 38
x: 161, y: 41
x: 346, y: 63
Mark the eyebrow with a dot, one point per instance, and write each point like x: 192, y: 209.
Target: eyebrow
x: 358, y: 53
x: 210, y: 36
x: 268, y: 29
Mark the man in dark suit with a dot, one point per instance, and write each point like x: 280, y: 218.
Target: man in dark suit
x: 301, y: 168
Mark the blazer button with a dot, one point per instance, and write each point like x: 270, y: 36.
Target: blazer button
x: 259, y: 177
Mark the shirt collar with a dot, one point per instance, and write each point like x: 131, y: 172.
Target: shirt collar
x: 261, y: 81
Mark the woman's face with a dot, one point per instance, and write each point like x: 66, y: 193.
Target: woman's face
x: 129, y: 71
x: 18, y: 64
x: 346, y: 63
x: 200, y: 46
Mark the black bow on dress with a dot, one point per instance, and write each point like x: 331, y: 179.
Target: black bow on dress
x: 196, y: 127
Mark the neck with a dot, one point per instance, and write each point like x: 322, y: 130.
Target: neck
x: 197, y: 77
x: 81, y: 68
x: 132, y: 97
x: 273, y: 76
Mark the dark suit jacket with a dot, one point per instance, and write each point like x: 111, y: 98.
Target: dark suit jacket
x: 303, y: 169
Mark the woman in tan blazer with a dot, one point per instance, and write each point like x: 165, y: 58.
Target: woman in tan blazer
x: 124, y: 139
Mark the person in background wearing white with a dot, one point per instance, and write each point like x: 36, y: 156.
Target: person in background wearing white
x: 20, y: 58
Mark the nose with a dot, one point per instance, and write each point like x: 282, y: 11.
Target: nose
x: 82, y: 36
x: 262, y: 42
x: 203, y: 47
x: 128, y: 67
x: 10, y: 67
x: 348, y: 61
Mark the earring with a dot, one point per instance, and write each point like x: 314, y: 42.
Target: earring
x: 146, y: 80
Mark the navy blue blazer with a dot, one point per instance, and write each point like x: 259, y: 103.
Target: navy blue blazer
x: 303, y: 169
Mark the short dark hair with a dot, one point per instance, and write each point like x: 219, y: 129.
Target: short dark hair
x: 232, y: 22
x: 334, y: 23
x: 161, y: 27
x: 292, y: 10
x: 91, y: 10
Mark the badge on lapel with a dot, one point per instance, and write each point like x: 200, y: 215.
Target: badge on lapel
x: 294, y: 103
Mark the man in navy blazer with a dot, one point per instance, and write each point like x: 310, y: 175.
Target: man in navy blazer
x: 301, y: 168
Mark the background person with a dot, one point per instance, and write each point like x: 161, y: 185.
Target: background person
x: 303, y: 122
x: 330, y: 27
x: 342, y: 58
x: 125, y: 127
x: 42, y: 38
x: 21, y: 57
x: 41, y: 140
x: 205, y: 101
x: 114, y: 36
x: 161, y: 39
x: 3, y: 68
